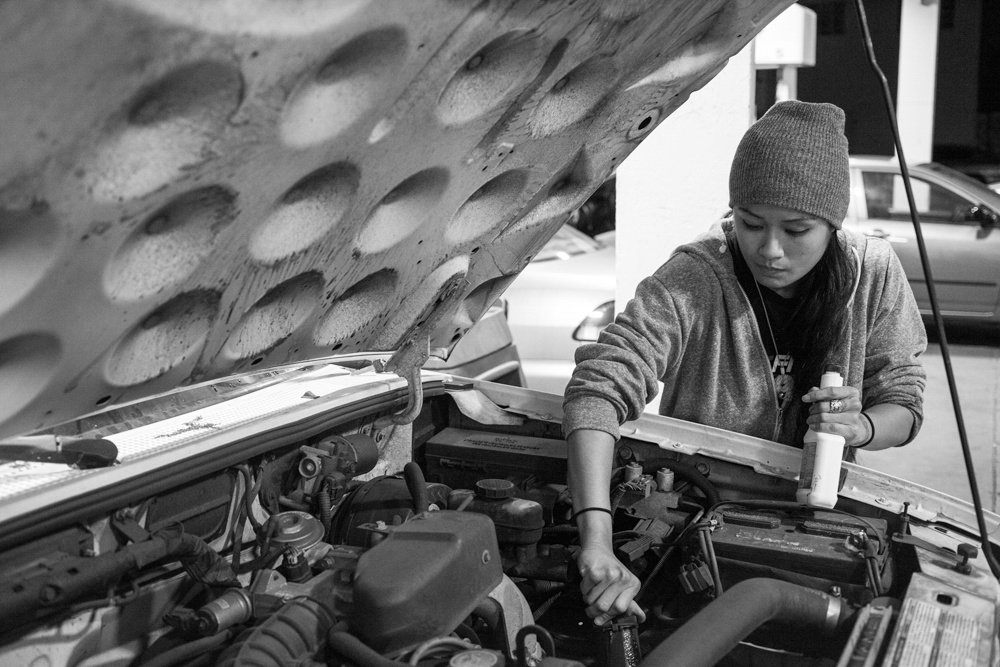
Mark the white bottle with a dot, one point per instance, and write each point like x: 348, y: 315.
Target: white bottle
x: 822, y: 454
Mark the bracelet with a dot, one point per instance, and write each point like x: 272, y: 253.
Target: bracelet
x: 871, y: 428
x: 593, y: 509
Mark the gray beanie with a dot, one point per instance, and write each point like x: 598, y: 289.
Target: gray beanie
x: 795, y: 156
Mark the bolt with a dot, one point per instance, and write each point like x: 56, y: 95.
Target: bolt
x: 474, y: 62
x: 49, y: 594
x: 560, y: 84
x: 486, y: 557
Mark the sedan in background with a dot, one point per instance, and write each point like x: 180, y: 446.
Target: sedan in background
x: 565, y: 297
x: 960, y: 220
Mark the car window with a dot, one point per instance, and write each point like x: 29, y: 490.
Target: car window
x: 885, y: 196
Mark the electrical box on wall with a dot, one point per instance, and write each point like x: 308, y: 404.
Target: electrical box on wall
x: 789, y: 40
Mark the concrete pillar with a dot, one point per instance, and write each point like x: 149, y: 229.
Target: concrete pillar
x: 676, y: 183
x: 918, y: 40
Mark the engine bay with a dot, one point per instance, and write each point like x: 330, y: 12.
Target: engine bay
x: 451, y: 542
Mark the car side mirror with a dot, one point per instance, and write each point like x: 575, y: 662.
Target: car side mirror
x: 986, y: 217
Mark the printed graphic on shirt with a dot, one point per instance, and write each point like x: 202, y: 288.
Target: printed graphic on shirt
x: 784, y: 384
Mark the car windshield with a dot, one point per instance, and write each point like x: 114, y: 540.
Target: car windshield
x: 566, y: 243
x: 974, y: 187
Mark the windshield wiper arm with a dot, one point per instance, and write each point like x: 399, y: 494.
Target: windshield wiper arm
x: 83, y: 453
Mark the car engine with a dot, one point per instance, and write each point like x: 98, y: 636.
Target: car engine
x: 450, y: 541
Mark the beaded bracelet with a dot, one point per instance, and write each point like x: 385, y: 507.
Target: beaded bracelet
x: 592, y: 509
x: 871, y: 428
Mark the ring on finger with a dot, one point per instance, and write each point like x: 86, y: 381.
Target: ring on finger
x: 836, y: 405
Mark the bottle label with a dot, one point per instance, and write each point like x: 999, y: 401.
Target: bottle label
x: 808, y: 465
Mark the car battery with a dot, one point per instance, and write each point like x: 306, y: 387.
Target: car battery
x: 822, y: 544
x: 462, y: 457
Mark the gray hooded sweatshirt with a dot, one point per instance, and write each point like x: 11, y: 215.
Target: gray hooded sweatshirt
x: 691, y: 326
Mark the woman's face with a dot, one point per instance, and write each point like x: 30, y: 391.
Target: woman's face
x: 780, y: 245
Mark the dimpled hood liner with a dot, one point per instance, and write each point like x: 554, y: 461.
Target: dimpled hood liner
x: 199, y: 188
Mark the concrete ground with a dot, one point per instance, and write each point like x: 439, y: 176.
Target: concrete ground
x: 934, y: 458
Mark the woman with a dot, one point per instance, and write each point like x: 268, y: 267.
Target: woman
x: 739, y: 324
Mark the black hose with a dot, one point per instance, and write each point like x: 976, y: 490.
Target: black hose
x: 250, y: 491
x: 718, y: 628
x: 417, y: 485
x: 345, y: 645
x: 264, y: 561
x: 188, y: 650
x: 325, y: 509
x: 931, y: 293
x: 686, y: 472
x: 296, y: 631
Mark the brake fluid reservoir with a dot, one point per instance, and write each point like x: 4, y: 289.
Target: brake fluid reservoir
x: 517, y: 520
x: 822, y: 454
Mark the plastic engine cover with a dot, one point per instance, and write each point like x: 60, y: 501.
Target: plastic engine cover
x: 424, y: 578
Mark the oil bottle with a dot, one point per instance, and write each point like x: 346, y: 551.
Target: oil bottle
x: 822, y: 454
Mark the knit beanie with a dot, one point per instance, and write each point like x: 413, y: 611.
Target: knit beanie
x: 795, y: 156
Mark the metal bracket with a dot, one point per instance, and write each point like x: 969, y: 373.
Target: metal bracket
x: 414, y: 353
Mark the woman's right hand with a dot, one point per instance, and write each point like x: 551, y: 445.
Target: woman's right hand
x: 608, y: 587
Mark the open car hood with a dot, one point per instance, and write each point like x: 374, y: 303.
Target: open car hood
x: 192, y: 190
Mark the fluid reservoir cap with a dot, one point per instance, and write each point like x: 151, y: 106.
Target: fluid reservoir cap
x: 477, y: 657
x: 495, y: 489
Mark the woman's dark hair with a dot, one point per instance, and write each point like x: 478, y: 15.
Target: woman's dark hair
x: 820, y: 318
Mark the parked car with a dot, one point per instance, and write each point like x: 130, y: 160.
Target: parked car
x: 233, y: 234
x: 563, y: 298
x: 960, y: 220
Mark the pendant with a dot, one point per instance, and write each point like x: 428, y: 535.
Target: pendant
x: 783, y: 385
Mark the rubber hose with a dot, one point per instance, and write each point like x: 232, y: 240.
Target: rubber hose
x: 686, y: 472
x: 718, y: 628
x: 325, y: 510
x: 346, y: 645
x: 293, y: 633
x: 415, y: 482
x: 188, y: 651
x: 264, y: 561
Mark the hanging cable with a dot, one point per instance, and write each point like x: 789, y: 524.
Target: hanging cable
x: 925, y: 262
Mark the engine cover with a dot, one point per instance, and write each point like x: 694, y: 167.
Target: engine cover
x: 424, y: 578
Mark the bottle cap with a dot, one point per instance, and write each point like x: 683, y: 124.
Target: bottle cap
x: 495, y: 489
x: 833, y: 368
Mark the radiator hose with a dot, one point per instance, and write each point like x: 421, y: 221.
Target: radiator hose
x: 718, y: 628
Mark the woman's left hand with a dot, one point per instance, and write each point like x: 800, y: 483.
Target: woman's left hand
x: 837, y: 410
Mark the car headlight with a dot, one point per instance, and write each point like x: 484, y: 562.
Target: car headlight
x: 594, y: 324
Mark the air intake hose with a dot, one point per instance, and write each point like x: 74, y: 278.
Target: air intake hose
x: 719, y: 627
x: 291, y: 636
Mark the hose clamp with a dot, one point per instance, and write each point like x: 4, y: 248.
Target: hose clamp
x: 833, y: 610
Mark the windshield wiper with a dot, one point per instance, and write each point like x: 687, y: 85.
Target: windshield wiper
x: 82, y: 453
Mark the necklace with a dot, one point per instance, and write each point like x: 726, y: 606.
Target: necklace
x: 782, y: 364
